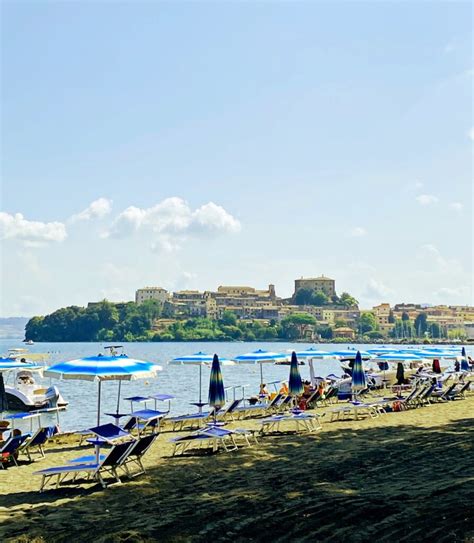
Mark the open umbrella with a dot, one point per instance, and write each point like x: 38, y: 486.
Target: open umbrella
x: 358, y: 375
x: 198, y: 359
x: 260, y: 357
x: 295, y: 385
x: 216, y: 386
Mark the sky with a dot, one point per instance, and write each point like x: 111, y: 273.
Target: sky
x: 198, y: 144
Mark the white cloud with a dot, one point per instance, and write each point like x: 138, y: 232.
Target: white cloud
x: 449, y: 295
x: 32, y: 233
x: 375, y: 290
x: 457, y: 206
x: 427, y: 199
x: 172, y: 221
x: 358, y: 232
x: 98, y: 209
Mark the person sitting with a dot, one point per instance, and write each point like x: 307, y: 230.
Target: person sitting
x: 457, y: 366
x: 263, y: 390
x: 284, y: 389
x: 307, y: 389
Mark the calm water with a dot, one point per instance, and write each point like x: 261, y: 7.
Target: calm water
x: 181, y: 381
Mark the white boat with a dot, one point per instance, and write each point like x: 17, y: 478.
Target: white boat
x: 29, y: 342
x: 25, y: 393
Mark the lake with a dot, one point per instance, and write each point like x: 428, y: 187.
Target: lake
x: 180, y: 381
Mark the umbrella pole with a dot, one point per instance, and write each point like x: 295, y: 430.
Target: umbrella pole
x: 118, y: 397
x: 261, y: 374
x: 97, y: 448
x: 200, y: 388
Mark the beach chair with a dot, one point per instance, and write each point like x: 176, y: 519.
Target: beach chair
x: 212, y: 437
x: 460, y: 393
x: 93, y: 470
x: 285, y: 404
x: 37, y: 440
x: 227, y: 412
x: 107, y: 432
x: 134, y: 455
x: 302, y: 422
x: 10, y: 449
x: 192, y: 420
x: 424, y: 397
x: 258, y: 409
x: 443, y: 395
x: 144, y: 420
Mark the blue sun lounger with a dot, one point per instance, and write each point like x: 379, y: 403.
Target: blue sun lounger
x: 10, y: 448
x: 134, y: 455
x: 106, y: 432
x: 301, y: 422
x: 37, y: 440
x: 211, y: 437
x: 108, y: 464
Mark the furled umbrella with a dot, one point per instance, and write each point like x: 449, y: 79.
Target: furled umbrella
x: 216, y: 386
x: 464, y: 362
x: 295, y: 384
x: 358, y: 375
x: 400, y: 375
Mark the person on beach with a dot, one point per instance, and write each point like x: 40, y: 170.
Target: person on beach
x: 263, y: 390
x: 284, y: 389
x: 307, y: 389
x: 457, y: 366
x: 436, y: 366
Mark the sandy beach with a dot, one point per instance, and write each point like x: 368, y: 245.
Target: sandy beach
x: 405, y: 476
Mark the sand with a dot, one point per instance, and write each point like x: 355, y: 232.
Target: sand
x: 406, y: 476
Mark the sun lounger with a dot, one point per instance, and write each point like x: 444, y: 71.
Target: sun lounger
x: 459, y: 393
x: 260, y: 409
x: 108, y: 464
x: 302, y: 422
x: 228, y: 411
x: 193, y: 420
x: 144, y: 420
x: 355, y: 409
x: 443, y: 395
x: 210, y: 437
x: 9, y: 450
x: 37, y: 440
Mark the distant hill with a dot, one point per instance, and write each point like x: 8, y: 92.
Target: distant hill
x: 13, y: 327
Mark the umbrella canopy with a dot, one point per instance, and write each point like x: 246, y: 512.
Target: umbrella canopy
x: 260, y: 357
x: 8, y: 364
x: 216, y: 384
x: 295, y: 385
x: 103, y: 368
x: 396, y: 357
x: 313, y: 353
x: 358, y: 375
x: 198, y: 359
x: 350, y: 354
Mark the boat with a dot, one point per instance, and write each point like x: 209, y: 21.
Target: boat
x: 29, y: 342
x: 25, y: 393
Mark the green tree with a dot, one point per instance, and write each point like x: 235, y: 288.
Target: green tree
x: 405, y: 316
x: 293, y: 325
x: 304, y: 296
x: 421, y: 324
x: 347, y: 300
x: 319, y: 298
x: 391, y: 317
x: 367, y: 323
x: 229, y: 318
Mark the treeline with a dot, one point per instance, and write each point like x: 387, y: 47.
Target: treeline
x: 103, y: 321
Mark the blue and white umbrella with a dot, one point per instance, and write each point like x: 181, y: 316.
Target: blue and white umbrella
x: 396, y: 357
x: 295, y: 384
x: 260, y: 357
x: 358, y: 375
x: 350, y: 354
x: 198, y: 359
x: 103, y: 368
x: 313, y: 353
x: 8, y: 364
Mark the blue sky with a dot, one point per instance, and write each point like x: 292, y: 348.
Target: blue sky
x: 189, y: 145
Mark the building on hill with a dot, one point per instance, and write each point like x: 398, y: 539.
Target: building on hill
x: 382, y: 317
x: 318, y: 284
x: 151, y: 293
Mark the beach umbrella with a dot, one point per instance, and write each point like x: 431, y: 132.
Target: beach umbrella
x: 3, y: 397
x: 103, y: 368
x: 313, y: 353
x: 198, y: 359
x: 358, y: 375
x: 400, y: 376
x: 260, y: 357
x: 295, y: 385
x: 350, y: 354
x: 216, y: 396
x: 464, y: 362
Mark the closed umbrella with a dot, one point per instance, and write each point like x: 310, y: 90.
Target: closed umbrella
x: 464, y: 362
x: 216, y: 386
x: 400, y: 376
x: 3, y: 397
x: 358, y: 375
x: 295, y: 385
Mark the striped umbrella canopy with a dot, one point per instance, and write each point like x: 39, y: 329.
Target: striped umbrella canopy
x: 103, y: 368
x: 464, y: 362
x: 260, y: 357
x: 350, y: 354
x: 216, y: 384
x: 198, y: 359
x: 8, y: 364
x: 313, y: 353
x: 358, y: 375
x: 397, y: 357
x: 295, y: 384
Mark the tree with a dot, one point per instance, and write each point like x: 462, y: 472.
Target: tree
x: 367, y: 323
x: 319, y: 298
x: 229, y: 318
x: 434, y: 329
x: 405, y: 316
x: 391, y: 317
x: 421, y: 325
x: 304, y: 296
x: 346, y: 300
x: 293, y: 325
x: 326, y: 332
